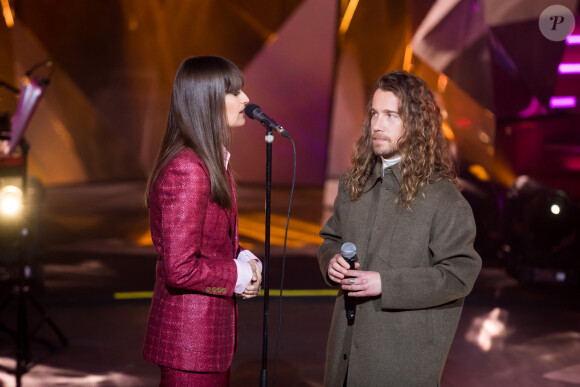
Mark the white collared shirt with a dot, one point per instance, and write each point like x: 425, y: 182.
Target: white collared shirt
x: 245, y: 256
x: 389, y: 162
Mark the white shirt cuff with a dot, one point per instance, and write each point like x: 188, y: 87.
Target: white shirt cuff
x: 244, y: 270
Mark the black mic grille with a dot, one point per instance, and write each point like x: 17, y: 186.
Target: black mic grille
x: 249, y: 110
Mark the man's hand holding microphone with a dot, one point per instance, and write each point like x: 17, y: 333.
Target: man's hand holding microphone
x: 357, y: 283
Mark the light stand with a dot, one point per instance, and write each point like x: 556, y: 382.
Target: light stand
x: 21, y: 290
x: 266, y: 281
x: 14, y: 165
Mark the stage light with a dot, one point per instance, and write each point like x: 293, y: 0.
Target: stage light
x: 8, y: 13
x: 347, y: 18
x: 542, y: 229
x: 11, y: 196
x: 563, y: 102
x: 572, y: 39
x: 10, y: 201
x: 569, y: 68
x: 479, y: 172
x: 553, y: 222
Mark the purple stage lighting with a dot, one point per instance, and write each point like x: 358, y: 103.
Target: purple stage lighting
x: 562, y: 102
x: 30, y: 94
x: 569, y: 68
x: 572, y: 39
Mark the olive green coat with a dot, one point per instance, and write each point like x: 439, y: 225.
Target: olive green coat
x: 427, y: 265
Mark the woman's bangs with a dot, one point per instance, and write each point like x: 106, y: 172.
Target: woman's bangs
x: 234, y: 82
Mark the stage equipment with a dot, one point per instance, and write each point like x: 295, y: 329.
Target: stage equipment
x: 254, y: 112
x: 19, y: 233
x: 542, y: 233
x: 348, y: 251
x: 29, y: 96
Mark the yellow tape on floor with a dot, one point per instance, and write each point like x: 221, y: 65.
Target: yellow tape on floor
x: 273, y: 292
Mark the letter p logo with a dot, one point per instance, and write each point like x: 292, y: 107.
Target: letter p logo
x: 556, y: 22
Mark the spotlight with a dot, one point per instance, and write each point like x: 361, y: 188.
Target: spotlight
x: 542, y: 231
x: 551, y: 219
x: 14, y: 204
x: 10, y: 201
x: 19, y: 222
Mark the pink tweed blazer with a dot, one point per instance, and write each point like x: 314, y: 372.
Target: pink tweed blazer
x: 192, y: 321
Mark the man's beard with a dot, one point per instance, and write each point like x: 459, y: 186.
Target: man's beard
x: 387, y: 154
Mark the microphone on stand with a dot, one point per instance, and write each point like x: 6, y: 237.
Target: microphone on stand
x: 348, y: 251
x: 254, y: 112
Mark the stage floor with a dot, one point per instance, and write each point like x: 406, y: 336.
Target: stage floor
x: 98, y: 271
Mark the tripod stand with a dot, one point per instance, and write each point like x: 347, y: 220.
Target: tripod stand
x: 20, y: 292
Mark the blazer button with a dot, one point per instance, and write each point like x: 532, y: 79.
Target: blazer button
x: 208, y: 289
x: 224, y: 290
x: 213, y: 289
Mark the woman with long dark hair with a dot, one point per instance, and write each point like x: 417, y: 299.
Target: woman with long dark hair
x: 192, y: 327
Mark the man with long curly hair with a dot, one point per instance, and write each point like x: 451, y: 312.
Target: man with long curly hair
x: 400, y: 204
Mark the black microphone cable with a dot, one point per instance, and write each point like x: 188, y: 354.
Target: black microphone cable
x: 284, y: 262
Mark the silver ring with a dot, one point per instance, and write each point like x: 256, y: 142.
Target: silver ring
x: 352, y: 281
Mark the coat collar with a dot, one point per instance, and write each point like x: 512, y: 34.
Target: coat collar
x: 397, y: 172
x: 377, y: 174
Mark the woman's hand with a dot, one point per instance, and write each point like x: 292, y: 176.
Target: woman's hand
x: 253, y: 288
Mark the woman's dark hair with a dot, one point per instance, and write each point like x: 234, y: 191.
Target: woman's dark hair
x: 197, y: 120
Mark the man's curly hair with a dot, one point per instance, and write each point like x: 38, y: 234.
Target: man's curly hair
x: 425, y: 157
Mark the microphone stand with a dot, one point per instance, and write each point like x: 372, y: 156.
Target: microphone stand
x: 269, y: 139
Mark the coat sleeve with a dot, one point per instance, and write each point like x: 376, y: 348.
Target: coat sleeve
x: 332, y: 240
x: 453, y: 269
x: 181, y: 204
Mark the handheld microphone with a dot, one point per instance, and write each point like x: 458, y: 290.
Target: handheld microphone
x: 348, y: 251
x: 254, y: 112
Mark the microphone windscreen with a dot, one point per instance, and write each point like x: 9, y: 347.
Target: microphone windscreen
x: 250, y: 109
x: 348, y: 250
